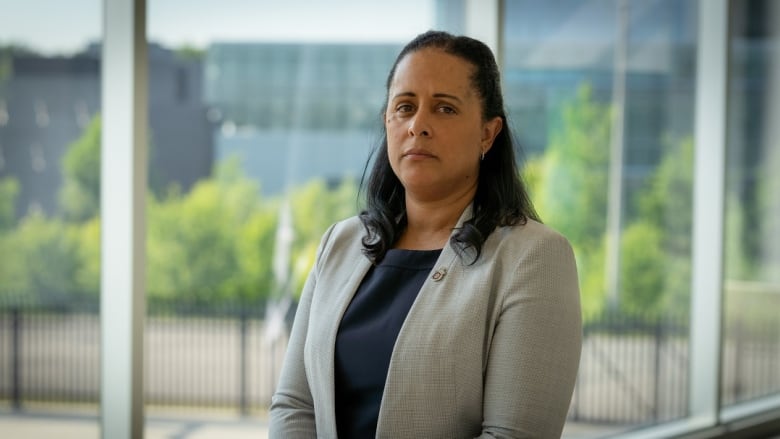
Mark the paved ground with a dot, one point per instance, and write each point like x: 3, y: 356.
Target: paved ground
x: 53, y: 424
x: 67, y: 423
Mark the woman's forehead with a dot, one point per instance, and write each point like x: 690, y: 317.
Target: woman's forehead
x: 433, y: 68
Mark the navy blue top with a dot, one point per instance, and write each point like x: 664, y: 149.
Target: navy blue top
x: 367, y: 335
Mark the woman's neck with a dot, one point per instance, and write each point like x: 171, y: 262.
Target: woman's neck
x: 429, y: 224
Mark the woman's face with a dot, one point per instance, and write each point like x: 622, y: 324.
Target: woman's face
x: 435, y: 131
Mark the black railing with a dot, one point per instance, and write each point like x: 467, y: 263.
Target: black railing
x: 195, y: 357
x: 633, y: 371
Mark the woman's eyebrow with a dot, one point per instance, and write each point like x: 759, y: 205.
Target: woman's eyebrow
x: 449, y: 96
x: 408, y: 94
x: 435, y: 95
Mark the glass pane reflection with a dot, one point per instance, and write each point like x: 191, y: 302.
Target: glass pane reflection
x: 261, y: 122
x: 49, y: 213
x: 751, y: 350
x: 601, y: 95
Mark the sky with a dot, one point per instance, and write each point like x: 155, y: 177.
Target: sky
x: 63, y: 27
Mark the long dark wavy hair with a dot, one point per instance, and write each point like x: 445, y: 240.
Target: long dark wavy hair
x: 501, y: 198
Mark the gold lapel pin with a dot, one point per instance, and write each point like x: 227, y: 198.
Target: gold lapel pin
x: 439, y: 274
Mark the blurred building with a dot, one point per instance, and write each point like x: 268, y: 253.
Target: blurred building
x: 296, y: 111
x: 550, y: 50
x: 46, y: 102
x: 554, y: 48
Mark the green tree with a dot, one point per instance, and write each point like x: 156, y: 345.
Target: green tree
x: 45, y: 261
x: 315, y: 207
x: 655, y: 271
x: 9, y: 189
x: 10, y: 279
x: 190, y: 53
x: 216, y: 244
x: 80, y: 195
x: 86, y: 277
x: 212, y: 244
x: 568, y: 185
x: 667, y: 201
x: 574, y: 171
x: 643, y: 270
x: 769, y: 214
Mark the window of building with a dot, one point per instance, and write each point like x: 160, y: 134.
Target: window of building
x: 593, y: 88
x: 751, y: 344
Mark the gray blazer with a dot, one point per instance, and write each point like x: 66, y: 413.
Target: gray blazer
x: 487, y: 350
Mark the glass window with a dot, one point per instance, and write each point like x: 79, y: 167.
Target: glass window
x: 248, y: 172
x: 601, y: 96
x: 261, y: 119
x: 49, y: 209
x: 751, y: 349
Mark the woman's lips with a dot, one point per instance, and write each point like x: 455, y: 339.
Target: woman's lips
x: 417, y: 153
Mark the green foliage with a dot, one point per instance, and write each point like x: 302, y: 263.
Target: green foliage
x: 190, y: 53
x: 768, y: 208
x: 752, y: 246
x: 737, y: 264
x: 656, y: 249
x: 212, y: 244
x: 5, y: 73
x: 80, y: 195
x: 569, y: 185
x: 46, y: 260
x: 642, y: 269
x: 591, y: 267
x: 86, y: 277
x: 667, y: 202
x: 13, y: 277
x: 9, y: 189
x: 314, y: 208
x: 217, y: 243
x: 573, y: 198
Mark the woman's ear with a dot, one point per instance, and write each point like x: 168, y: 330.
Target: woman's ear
x: 490, y: 130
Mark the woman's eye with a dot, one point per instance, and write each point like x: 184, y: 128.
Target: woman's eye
x: 403, y: 108
x: 447, y: 110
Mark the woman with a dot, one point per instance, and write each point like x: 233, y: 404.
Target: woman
x: 444, y: 310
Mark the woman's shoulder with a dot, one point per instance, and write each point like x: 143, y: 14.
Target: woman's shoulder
x: 537, y: 255
x: 532, y: 230
x: 342, y: 235
x: 530, y: 235
x: 346, y: 227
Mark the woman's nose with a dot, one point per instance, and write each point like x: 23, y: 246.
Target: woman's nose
x: 419, y: 127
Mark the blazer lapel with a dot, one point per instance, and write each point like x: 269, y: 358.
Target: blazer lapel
x: 344, y: 290
x: 423, y: 308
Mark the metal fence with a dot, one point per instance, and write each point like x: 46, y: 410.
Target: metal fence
x: 217, y: 358
x: 631, y: 371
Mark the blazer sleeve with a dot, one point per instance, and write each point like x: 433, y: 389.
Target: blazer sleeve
x: 535, y: 350
x: 292, y: 406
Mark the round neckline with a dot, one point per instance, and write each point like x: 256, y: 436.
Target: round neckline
x: 416, y: 259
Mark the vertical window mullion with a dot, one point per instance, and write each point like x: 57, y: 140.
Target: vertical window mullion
x: 708, y: 210
x: 123, y: 197
x: 483, y: 22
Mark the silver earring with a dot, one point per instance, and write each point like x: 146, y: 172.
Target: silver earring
x: 483, y: 155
